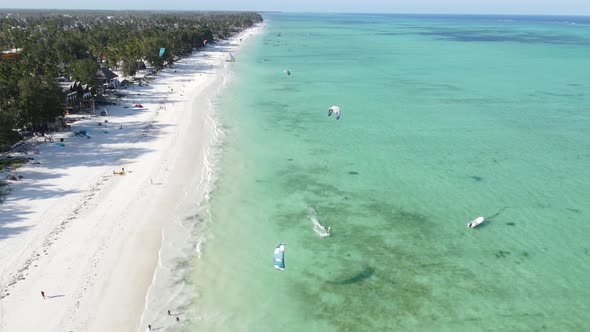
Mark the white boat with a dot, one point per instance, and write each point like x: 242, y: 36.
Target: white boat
x: 231, y: 58
x: 475, y: 222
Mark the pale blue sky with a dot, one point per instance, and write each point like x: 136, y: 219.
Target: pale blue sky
x: 546, y: 7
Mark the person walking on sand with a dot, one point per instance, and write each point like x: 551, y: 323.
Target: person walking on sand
x: 169, y: 314
x: 177, y: 319
x: 43, y: 294
x: 149, y: 327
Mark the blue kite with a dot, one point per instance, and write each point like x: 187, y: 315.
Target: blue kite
x: 279, y: 257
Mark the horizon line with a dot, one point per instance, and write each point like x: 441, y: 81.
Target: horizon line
x: 291, y: 12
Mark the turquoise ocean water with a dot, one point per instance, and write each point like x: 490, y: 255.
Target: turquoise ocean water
x: 444, y: 118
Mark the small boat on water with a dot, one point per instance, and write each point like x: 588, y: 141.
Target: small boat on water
x: 475, y: 222
x: 231, y: 58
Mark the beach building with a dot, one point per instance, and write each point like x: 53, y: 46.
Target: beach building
x: 106, y: 78
x: 78, y: 96
x: 11, y: 54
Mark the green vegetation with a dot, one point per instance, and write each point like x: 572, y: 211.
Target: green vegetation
x: 4, y: 190
x: 74, y: 44
x: 9, y: 163
x: 13, y: 162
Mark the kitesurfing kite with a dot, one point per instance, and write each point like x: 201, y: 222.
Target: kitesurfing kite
x: 162, y: 51
x: 279, y: 257
x: 336, y: 110
x: 288, y: 73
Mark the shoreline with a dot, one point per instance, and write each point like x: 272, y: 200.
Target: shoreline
x: 92, y: 243
x: 182, y: 239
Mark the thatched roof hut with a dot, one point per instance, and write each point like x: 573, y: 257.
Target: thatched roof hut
x: 105, y: 74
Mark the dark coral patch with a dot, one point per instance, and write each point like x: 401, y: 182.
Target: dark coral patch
x: 502, y: 254
x: 366, y: 273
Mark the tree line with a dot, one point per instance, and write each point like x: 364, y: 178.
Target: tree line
x: 46, y: 46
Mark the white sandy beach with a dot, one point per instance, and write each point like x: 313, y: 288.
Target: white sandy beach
x: 91, y: 239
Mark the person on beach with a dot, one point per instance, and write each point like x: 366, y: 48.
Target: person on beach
x: 149, y: 327
x: 169, y: 314
x: 177, y: 319
x: 43, y: 294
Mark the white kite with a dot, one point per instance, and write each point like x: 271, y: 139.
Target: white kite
x: 336, y: 110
